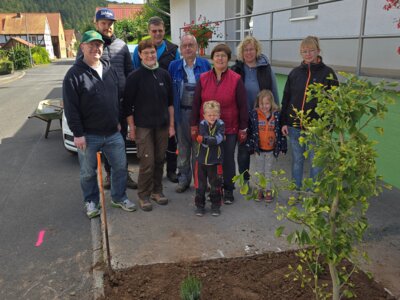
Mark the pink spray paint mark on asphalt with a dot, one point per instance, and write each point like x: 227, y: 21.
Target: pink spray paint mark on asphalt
x: 40, y: 238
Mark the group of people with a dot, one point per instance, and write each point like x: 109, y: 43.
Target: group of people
x: 179, y: 109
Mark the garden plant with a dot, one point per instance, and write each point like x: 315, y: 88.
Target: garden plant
x: 330, y: 212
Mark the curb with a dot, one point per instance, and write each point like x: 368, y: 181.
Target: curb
x: 4, y: 79
x: 97, y: 257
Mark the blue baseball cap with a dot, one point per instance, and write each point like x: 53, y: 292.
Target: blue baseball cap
x: 105, y: 14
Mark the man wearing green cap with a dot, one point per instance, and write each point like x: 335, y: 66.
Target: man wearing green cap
x: 91, y: 105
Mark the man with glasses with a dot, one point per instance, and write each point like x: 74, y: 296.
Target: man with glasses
x: 91, y: 105
x: 166, y: 53
x: 185, y: 73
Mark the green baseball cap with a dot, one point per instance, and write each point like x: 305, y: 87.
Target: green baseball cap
x: 91, y: 35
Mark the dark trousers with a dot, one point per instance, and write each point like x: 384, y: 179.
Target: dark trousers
x: 243, y: 159
x: 212, y: 173
x: 228, y: 165
x: 171, y: 155
x: 151, y: 144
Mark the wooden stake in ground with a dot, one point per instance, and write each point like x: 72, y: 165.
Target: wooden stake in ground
x: 103, y: 208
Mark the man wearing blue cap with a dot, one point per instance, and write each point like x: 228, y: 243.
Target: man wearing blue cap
x: 92, y: 107
x: 117, y: 52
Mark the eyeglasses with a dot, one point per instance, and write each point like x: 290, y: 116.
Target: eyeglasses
x: 305, y: 52
x: 94, y: 46
x: 148, y: 53
x: 222, y: 55
x: 157, y: 30
x: 188, y: 46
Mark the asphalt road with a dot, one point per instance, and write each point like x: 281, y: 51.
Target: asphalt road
x: 39, y: 192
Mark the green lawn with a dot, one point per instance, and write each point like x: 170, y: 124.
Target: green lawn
x: 388, y: 146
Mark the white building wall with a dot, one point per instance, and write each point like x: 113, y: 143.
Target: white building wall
x: 47, y: 41
x: 338, y: 19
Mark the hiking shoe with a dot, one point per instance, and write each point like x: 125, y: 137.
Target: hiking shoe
x: 200, y: 211
x: 228, y: 197
x: 260, y: 196
x: 268, y: 196
x: 130, y: 183
x: 125, y: 205
x: 180, y: 188
x: 215, y: 211
x: 159, y: 198
x: 107, y: 182
x: 173, y: 177
x: 92, y: 209
x: 145, y: 204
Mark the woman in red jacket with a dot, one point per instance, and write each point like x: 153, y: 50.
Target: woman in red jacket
x: 226, y: 87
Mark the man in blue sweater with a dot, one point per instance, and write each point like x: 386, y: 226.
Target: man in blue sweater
x: 91, y: 104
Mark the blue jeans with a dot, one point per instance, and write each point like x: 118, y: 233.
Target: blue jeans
x: 113, y: 147
x: 185, y: 148
x: 298, y: 158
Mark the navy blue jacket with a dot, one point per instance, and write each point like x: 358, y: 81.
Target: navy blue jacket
x: 210, y: 151
x: 296, y: 86
x: 252, y: 142
x: 177, y: 71
x: 91, y: 103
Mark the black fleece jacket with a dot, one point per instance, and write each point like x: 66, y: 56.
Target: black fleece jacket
x: 148, y: 94
x: 296, y: 86
x: 91, y: 104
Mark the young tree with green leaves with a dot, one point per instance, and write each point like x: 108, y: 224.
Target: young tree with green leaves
x: 331, y: 212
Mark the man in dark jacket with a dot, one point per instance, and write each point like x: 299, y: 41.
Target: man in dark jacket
x: 117, y: 53
x: 91, y: 105
x: 166, y: 53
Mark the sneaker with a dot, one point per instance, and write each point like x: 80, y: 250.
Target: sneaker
x: 92, y: 209
x: 159, y: 198
x: 145, y: 205
x: 228, y: 197
x: 130, y: 183
x: 173, y: 177
x: 268, y: 196
x: 215, y: 211
x: 107, y: 182
x: 125, y: 205
x: 260, y: 196
x: 200, y: 211
x: 180, y: 188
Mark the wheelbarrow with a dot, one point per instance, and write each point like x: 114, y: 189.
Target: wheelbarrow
x: 49, y: 110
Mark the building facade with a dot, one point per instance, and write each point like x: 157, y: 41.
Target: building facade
x: 356, y: 35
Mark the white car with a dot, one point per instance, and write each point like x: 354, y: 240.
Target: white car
x: 68, y: 139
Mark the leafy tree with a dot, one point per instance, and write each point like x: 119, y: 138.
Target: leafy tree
x: 331, y: 212
x: 124, y: 29
x: 154, y: 10
x: 40, y: 55
x: 20, y: 56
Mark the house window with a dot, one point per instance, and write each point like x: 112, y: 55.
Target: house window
x: 304, y: 13
x: 312, y: 7
x: 244, y: 26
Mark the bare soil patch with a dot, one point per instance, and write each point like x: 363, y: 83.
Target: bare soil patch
x: 249, y: 278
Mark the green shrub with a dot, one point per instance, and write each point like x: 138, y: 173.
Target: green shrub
x: 6, y: 67
x: 40, y: 55
x: 20, y: 56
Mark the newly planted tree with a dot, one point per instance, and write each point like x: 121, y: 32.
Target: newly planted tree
x: 331, y: 211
